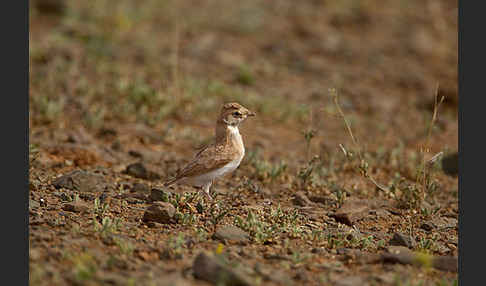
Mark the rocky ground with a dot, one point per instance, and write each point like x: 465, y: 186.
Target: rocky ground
x: 123, y: 93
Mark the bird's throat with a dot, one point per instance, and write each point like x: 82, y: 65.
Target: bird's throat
x: 226, y: 133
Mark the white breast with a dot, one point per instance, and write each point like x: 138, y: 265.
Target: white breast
x: 231, y: 166
x: 236, y: 133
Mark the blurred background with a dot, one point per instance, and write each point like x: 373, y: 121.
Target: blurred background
x: 153, y: 62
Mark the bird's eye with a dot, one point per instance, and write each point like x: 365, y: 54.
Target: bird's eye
x: 236, y: 114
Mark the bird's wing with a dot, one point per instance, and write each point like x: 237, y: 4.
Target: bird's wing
x: 202, y: 149
x: 208, y: 159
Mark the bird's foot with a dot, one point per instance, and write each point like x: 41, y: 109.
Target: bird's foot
x: 208, y: 195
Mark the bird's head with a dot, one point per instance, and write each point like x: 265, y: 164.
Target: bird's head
x: 233, y: 114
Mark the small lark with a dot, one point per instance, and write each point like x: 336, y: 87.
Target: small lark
x: 222, y: 156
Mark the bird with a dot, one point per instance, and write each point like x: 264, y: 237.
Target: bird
x: 219, y: 158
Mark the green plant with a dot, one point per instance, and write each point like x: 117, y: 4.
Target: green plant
x: 422, y: 176
x: 176, y: 200
x: 366, y: 242
x: 261, y: 169
x: 250, y: 185
x: 264, y: 169
x: 107, y: 227
x: 335, y: 241
x: 260, y: 230
x: 309, y: 134
x: 339, y: 192
x: 271, y: 223
x: 100, y: 209
x: 46, y: 109
x: 201, y: 234
x: 188, y: 219
x: 84, y: 266
x: 37, y: 274
x: 94, y: 118
x: 175, y: 244
x: 305, y: 172
x: 33, y: 154
x: 245, y: 75
x: 412, y: 195
x: 426, y: 245
x: 277, y: 170
x: 423, y: 259
x: 363, y: 164
x: 427, y: 212
x: 381, y: 244
x: 217, y: 214
x: 317, y: 235
x: 125, y: 246
x: 75, y: 228
x: 445, y: 282
x: 298, y: 257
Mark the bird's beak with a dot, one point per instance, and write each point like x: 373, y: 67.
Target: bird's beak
x: 251, y: 113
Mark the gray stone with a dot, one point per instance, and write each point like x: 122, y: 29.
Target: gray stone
x: 209, y: 269
x: 159, y: 195
x: 33, y: 205
x: 442, y: 249
x: 34, y: 254
x: 385, y: 278
x: 402, y: 255
x: 440, y: 223
x: 400, y: 239
x: 173, y: 279
x: 231, y: 233
x: 271, y: 274
x: 140, y: 189
x: 111, y: 278
x: 450, y: 164
x: 351, y: 211
x: 50, y: 7
x: 444, y: 222
x: 63, y: 196
x: 138, y: 170
x: 446, y: 263
x: 428, y: 226
x: 319, y: 251
x: 300, y: 199
x: 350, y: 281
x: 160, y: 212
x: 82, y: 181
x: 398, y: 254
x: 77, y: 207
x: 139, y: 197
x: 325, y: 200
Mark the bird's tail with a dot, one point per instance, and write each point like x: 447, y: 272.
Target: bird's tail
x: 170, y: 182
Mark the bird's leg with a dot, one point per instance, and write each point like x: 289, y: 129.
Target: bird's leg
x: 206, y: 189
